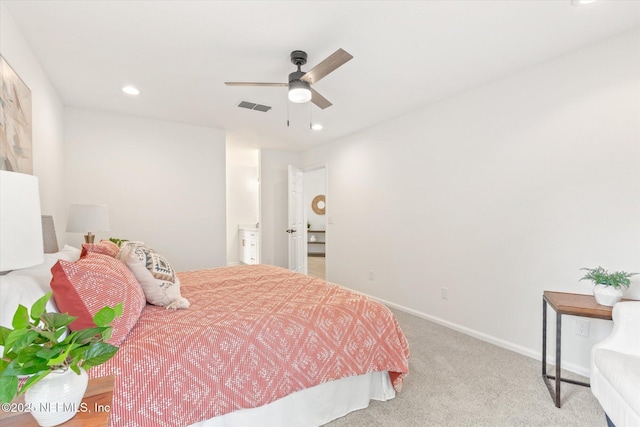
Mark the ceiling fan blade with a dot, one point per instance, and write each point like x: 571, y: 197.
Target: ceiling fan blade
x: 333, y: 61
x: 256, y: 84
x: 319, y: 100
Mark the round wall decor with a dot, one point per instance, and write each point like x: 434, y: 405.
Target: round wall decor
x: 318, y: 204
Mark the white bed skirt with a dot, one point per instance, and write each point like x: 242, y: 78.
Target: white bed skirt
x: 313, y: 406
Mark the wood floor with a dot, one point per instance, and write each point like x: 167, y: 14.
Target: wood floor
x: 316, y: 267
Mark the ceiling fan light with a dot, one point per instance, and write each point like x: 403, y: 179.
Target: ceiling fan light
x: 299, y: 92
x: 299, y: 95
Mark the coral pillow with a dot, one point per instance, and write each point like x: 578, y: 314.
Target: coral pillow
x: 105, y: 247
x: 83, y: 287
x: 158, y: 279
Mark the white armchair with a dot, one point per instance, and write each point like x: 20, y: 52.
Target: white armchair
x: 615, y: 367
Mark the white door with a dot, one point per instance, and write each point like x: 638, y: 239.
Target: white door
x: 297, y: 230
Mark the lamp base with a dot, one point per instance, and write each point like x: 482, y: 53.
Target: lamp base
x: 89, y: 238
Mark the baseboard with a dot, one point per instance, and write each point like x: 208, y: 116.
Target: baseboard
x: 577, y: 369
x: 233, y: 263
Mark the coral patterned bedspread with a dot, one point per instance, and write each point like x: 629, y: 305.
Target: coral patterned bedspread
x: 253, y: 334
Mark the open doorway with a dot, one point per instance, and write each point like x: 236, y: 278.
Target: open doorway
x: 315, y: 191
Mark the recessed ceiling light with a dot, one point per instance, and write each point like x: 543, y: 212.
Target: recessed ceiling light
x: 130, y: 90
x: 316, y: 126
x: 582, y: 2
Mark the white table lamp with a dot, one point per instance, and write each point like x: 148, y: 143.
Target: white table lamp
x: 88, y: 219
x: 20, y: 221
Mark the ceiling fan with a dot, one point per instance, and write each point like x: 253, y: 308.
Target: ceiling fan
x: 300, y: 82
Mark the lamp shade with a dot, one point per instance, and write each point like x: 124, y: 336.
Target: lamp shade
x: 20, y: 221
x: 87, y: 218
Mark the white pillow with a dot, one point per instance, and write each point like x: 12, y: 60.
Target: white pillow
x: 157, y: 278
x: 27, y: 285
x: 22, y: 289
x: 68, y: 253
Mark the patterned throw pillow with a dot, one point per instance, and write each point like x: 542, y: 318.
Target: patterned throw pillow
x: 158, y: 279
x: 105, y: 247
x: 83, y: 287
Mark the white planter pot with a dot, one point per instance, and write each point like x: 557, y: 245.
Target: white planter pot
x: 607, y: 295
x: 56, y: 398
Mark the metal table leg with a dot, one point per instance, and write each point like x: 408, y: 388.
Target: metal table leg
x: 544, y: 338
x: 558, y: 356
x: 555, y: 394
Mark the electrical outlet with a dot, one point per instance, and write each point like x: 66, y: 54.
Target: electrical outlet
x: 582, y: 327
x: 370, y: 274
x: 444, y: 293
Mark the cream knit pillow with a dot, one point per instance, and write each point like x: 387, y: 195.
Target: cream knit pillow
x: 157, y: 278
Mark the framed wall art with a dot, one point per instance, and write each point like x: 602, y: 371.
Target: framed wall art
x: 16, y: 154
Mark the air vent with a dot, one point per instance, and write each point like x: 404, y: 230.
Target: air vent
x: 263, y: 108
x: 253, y: 106
x: 245, y: 104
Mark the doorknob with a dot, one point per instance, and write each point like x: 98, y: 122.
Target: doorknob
x: 291, y: 230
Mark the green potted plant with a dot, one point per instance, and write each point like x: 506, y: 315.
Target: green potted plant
x: 607, y: 287
x: 36, y: 349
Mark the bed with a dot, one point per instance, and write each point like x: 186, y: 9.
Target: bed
x: 259, y: 345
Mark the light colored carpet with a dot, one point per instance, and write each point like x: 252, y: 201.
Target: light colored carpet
x: 457, y: 380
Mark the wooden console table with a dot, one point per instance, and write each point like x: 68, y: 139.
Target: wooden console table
x: 573, y: 305
x: 97, y: 399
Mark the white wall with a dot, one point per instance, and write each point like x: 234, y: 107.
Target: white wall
x: 497, y: 194
x: 242, y: 193
x: 273, y: 205
x: 47, y: 113
x: 163, y: 182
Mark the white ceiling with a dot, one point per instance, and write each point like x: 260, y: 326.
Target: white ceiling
x: 407, y: 54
